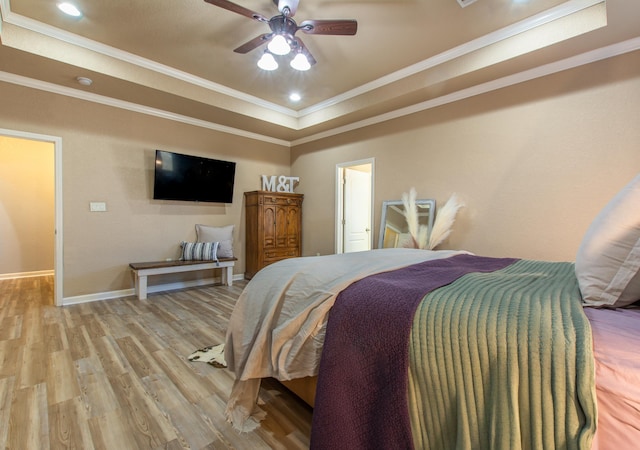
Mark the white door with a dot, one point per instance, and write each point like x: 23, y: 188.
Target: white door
x: 357, y: 210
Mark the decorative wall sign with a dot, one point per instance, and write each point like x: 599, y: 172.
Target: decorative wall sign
x: 284, y: 184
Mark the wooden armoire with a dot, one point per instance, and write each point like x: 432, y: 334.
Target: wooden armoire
x: 273, y: 227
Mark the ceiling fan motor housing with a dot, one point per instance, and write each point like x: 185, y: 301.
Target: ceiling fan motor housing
x: 283, y: 25
x: 287, y: 7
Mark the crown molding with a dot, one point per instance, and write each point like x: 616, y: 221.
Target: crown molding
x: 106, y: 50
x: 548, y: 69
x: 510, y: 80
x: 545, y: 17
x: 565, y: 9
x: 548, y: 16
x: 134, y: 107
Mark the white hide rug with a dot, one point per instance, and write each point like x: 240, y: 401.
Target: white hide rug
x: 213, y: 355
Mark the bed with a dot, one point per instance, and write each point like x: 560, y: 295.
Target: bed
x: 445, y: 349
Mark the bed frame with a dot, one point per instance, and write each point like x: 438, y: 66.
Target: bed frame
x: 305, y: 388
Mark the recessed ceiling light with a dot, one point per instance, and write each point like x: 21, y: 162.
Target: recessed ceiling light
x: 294, y: 97
x: 84, y: 81
x: 70, y: 9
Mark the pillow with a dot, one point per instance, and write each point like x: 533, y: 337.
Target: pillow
x: 199, y: 251
x: 608, y: 260
x: 222, y: 235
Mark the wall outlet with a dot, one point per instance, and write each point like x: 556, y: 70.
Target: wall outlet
x: 97, y: 206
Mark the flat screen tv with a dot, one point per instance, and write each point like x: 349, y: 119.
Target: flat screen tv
x: 193, y: 178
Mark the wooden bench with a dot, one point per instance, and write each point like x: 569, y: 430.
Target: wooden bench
x: 142, y: 270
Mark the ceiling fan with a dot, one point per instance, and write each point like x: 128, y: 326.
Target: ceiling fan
x: 282, y: 39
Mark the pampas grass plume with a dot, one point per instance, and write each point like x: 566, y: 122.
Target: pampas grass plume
x: 423, y: 237
x: 444, y: 220
x: 411, y: 214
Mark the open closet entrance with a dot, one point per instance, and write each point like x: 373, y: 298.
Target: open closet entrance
x: 354, y: 206
x: 34, y: 193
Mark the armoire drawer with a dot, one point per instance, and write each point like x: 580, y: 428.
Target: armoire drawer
x: 279, y: 254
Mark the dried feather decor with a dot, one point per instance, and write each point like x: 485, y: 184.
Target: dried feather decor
x: 411, y: 214
x: 442, y: 225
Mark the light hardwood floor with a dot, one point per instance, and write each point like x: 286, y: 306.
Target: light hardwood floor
x: 113, y: 374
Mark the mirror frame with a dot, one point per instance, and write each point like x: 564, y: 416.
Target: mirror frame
x: 390, y: 203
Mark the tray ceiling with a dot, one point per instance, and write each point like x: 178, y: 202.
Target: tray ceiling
x: 177, y: 59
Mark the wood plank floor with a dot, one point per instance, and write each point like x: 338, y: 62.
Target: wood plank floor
x: 113, y: 374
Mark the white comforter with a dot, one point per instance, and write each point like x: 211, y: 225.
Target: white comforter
x: 277, y: 326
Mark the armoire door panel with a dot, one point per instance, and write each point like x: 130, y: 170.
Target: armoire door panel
x: 281, y: 226
x: 269, y: 227
x: 293, y: 226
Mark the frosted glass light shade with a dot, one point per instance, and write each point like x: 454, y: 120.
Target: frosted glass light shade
x: 267, y: 62
x: 300, y: 62
x: 279, y: 45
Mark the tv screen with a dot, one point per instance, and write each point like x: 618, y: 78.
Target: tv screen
x: 193, y: 178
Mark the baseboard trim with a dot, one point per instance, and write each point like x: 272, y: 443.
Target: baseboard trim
x: 99, y: 296
x: 37, y: 273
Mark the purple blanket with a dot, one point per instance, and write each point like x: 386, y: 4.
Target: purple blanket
x: 361, y: 398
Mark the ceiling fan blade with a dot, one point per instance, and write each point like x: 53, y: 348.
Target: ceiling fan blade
x: 226, y: 4
x: 254, y: 43
x: 338, y: 27
x: 292, y: 5
x: 305, y: 50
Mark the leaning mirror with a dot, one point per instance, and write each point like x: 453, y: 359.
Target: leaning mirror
x: 394, y: 231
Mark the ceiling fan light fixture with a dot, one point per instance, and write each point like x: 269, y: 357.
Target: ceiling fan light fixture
x: 282, y: 39
x: 300, y: 62
x: 279, y: 45
x: 267, y: 62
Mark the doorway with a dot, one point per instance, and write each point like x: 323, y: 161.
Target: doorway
x: 354, y: 206
x: 53, y: 144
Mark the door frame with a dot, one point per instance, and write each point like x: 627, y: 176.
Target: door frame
x: 340, y: 167
x: 58, y: 262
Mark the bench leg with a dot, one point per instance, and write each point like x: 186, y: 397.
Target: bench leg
x: 228, y: 276
x: 136, y: 286
x: 141, y: 287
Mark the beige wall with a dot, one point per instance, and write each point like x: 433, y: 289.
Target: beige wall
x: 534, y: 163
x: 108, y: 156
x: 26, y: 206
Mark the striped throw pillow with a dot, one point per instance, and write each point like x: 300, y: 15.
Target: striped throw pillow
x: 199, y: 251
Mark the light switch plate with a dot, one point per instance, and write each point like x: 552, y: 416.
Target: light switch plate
x: 97, y: 206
